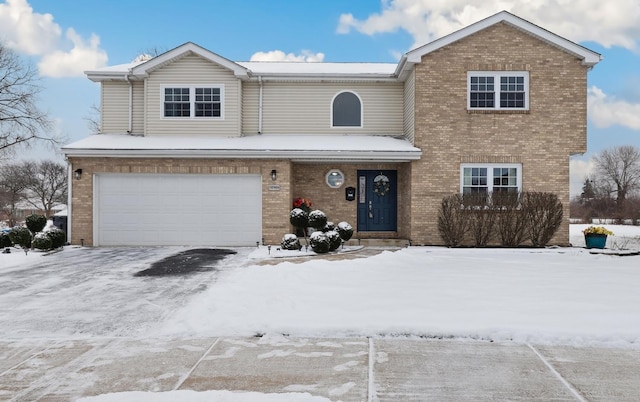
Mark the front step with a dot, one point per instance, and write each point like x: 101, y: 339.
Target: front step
x: 378, y: 242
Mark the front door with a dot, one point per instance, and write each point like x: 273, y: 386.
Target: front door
x: 377, y: 200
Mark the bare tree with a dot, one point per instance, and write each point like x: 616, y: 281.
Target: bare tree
x: 93, y: 119
x: 619, y: 170
x: 13, y: 183
x: 21, y: 122
x: 47, y: 185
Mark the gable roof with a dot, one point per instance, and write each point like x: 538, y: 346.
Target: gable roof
x: 351, y: 71
x: 589, y: 58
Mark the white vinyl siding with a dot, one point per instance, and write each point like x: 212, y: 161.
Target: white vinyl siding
x: 409, y: 106
x: 192, y: 71
x: 115, y: 107
x: 305, y: 108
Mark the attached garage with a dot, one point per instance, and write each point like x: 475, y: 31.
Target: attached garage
x: 177, y: 209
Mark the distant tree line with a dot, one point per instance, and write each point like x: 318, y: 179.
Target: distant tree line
x: 613, y: 190
x: 40, y: 184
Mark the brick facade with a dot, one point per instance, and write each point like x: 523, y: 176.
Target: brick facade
x: 541, y: 139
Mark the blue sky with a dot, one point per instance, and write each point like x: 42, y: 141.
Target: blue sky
x: 65, y: 37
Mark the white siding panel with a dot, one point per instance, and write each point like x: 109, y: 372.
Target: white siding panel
x: 193, y: 70
x: 138, y: 107
x: 250, y: 107
x: 305, y: 108
x: 115, y: 107
x: 409, y: 106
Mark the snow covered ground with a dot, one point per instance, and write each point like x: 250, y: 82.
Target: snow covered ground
x: 563, y: 296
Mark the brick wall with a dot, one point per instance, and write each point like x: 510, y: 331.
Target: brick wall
x: 541, y: 139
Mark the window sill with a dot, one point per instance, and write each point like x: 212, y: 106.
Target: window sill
x: 497, y: 111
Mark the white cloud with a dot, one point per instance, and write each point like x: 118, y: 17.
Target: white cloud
x: 37, y: 34
x: 83, y: 56
x: 579, y: 170
x: 609, y: 23
x: 605, y: 111
x: 279, y: 55
x: 26, y: 31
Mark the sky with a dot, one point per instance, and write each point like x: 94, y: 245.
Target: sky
x: 63, y: 38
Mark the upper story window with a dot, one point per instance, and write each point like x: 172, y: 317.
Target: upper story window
x: 193, y: 101
x: 500, y: 90
x: 490, y: 178
x: 346, y: 110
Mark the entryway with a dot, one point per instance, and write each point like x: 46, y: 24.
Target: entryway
x: 377, y: 200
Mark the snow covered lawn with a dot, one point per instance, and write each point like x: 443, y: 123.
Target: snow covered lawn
x: 555, y: 295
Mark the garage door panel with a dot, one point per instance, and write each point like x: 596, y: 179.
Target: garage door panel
x: 155, y: 209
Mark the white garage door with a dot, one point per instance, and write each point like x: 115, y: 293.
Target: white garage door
x: 190, y: 210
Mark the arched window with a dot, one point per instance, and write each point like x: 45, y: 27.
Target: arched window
x: 346, y: 110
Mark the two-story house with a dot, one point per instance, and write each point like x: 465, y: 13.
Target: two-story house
x: 196, y: 149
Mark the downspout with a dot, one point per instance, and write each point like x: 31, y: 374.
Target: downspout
x: 126, y: 77
x: 69, y: 199
x: 260, y: 106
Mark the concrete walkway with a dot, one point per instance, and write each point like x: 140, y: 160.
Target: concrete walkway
x: 355, y: 369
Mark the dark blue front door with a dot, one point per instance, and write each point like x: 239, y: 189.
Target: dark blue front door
x: 377, y: 200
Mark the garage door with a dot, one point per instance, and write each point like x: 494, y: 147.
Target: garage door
x: 190, y: 210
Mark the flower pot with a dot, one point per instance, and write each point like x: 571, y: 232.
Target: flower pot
x: 594, y: 240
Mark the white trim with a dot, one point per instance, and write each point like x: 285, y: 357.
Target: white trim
x: 490, y: 167
x: 589, y: 58
x: 497, y: 75
x: 192, y: 101
x: 361, y: 110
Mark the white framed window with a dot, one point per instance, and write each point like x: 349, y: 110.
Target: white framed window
x: 334, y: 178
x: 489, y: 178
x: 346, y: 110
x: 194, y: 101
x: 498, y: 90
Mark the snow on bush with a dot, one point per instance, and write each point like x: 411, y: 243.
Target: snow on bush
x: 20, y: 236
x: 58, y: 237
x: 41, y: 241
x: 334, y: 240
x: 345, y: 231
x: 317, y: 219
x: 290, y: 242
x: 319, y: 242
x: 299, y: 218
x: 329, y: 226
x: 35, y: 223
x: 5, y: 241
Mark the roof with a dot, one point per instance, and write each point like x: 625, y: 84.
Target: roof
x: 316, y: 70
x: 313, y: 148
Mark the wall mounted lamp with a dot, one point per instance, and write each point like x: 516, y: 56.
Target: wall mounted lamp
x: 77, y: 174
x: 274, y: 175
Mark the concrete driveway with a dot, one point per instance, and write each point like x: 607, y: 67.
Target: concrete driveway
x: 87, y: 292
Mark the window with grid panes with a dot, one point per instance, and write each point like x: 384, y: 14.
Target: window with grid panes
x: 502, y: 90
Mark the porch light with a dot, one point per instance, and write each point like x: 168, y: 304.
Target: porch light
x: 274, y: 175
x: 77, y: 174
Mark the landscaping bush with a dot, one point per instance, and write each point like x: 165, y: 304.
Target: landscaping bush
x: 317, y: 219
x: 320, y: 243
x: 5, y: 241
x: 512, y: 221
x: 544, y: 213
x: 35, y: 223
x: 41, y: 241
x: 452, y: 222
x: 290, y: 242
x: 328, y: 227
x: 334, y: 240
x: 345, y: 231
x: 21, y: 236
x: 58, y: 237
x: 481, y: 217
x: 298, y: 218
